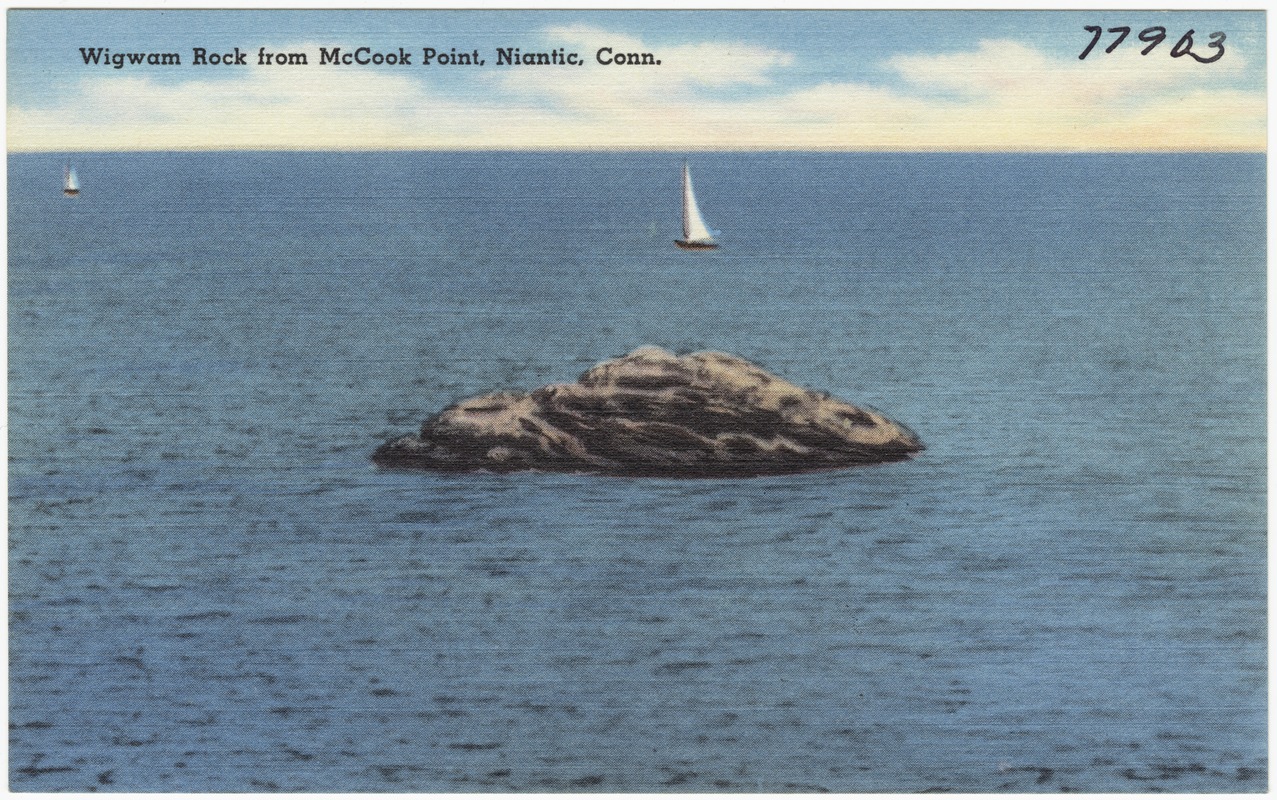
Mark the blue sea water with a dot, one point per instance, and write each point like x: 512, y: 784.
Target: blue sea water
x: 211, y: 588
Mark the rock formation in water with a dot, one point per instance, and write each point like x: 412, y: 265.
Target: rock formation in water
x: 652, y: 413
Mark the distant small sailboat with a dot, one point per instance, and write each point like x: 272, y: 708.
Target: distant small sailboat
x: 70, y: 183
x: 696, y: 235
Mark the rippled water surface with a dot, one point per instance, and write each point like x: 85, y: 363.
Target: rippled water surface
x: 212, y: 589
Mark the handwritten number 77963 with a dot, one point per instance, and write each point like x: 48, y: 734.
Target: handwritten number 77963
x: 1153, y: 36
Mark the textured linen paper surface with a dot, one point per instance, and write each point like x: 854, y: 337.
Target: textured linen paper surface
x: 636, y: 401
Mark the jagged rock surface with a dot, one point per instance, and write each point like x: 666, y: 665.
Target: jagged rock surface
x: 652, y: 413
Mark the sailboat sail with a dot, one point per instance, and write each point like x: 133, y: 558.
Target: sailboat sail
x: 696, y: 234
x: 70, y: 183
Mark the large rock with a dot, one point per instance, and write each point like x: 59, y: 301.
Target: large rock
x: 652, y: 413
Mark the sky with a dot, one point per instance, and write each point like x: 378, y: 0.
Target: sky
x: 749, y: 80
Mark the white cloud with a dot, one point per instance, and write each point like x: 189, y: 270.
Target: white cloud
x: 1003, y: 95
x: 1010, y: 67
x: 1011, y: 95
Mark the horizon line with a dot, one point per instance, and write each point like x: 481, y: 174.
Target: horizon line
x: 655, y: 150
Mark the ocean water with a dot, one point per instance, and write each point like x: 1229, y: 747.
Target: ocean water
x: 211, y: 588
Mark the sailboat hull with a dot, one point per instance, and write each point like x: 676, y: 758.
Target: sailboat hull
x: 70, y: 192
x: 686, y: 245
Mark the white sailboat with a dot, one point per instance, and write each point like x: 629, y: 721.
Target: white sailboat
x: 696, y: 235
x: 70, y: 183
